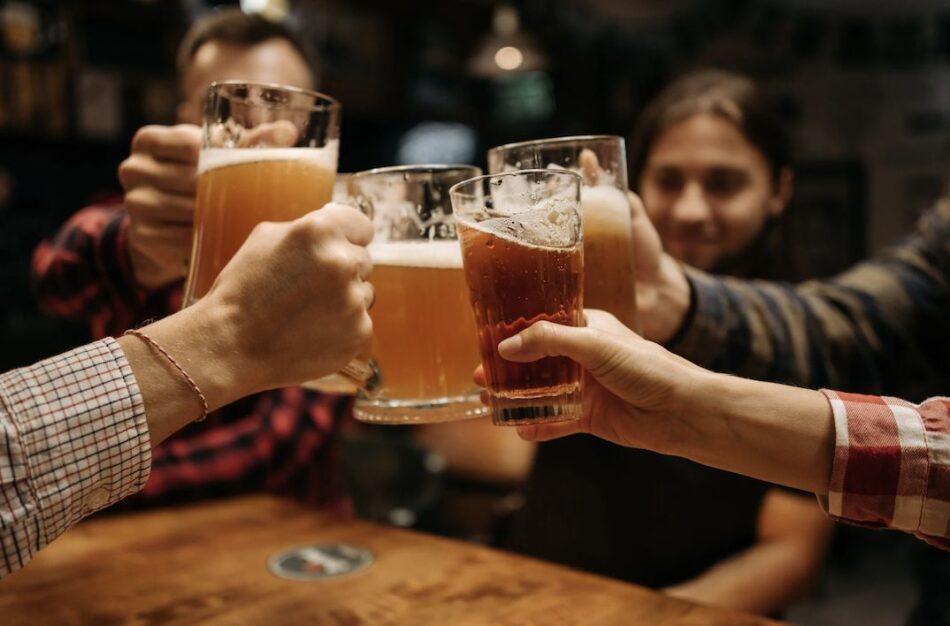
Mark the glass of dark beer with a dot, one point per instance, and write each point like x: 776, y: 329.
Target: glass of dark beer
x: 523, y: 259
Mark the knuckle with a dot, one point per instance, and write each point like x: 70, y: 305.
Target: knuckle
x: 544, y: 332
x: 144, y: 136
x: 264, y: 229
x: 128, y: 168
x: 136, y: 200
x: 364, y: 328
x: 305, y: 228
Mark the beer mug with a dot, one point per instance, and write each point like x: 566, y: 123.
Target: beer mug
x: 522, y: 252
x: 424, y: 346
x: 269, y: 153
x: 609, y: 278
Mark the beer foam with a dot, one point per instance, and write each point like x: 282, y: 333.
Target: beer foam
x: 554, y: 223
x: 440, y: 254
x: 605, y: 197
x: 213, y: 158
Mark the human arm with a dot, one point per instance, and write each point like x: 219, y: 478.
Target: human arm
x: 878, y: 325
x: 859, y: 453
x: 77, y: 427
x: 792, y: 537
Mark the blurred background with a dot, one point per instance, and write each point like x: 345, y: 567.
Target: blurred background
x: 863, y: 86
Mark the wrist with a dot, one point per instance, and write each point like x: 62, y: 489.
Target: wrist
x: 671, y: 302
x: 205, y: 342
x: 691, y: 409
x: 776, y: 433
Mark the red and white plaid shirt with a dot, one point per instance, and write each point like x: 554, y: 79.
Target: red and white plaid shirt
x: 892, y: 465
x: 73, y: 439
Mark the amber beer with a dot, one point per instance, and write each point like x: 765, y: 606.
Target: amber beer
x: 524, y: 264
x: 238, y: 189
x: 423, y: 333
x: 609, y: 277
x: 512, y: 285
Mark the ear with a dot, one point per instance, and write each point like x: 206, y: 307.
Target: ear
x: 783, y: 192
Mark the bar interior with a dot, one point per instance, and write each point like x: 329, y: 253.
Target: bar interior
x: 292, y: 254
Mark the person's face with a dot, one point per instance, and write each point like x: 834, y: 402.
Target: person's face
x: 709, y: 191
x: 272, y: 61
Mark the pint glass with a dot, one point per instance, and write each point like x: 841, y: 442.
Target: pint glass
x: 522, y: 253
x: 609, y: 279
x: 269, y: 153
x: 424, y: 344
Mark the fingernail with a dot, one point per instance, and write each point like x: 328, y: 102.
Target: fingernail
x: 511, y: 345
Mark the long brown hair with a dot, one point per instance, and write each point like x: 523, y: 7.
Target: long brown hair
x: 736, y: 99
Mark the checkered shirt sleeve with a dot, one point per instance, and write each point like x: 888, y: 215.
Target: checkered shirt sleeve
x: 891, y: 465
x: 74, y: 439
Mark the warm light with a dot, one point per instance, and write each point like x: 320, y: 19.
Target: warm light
x: 509, y: 58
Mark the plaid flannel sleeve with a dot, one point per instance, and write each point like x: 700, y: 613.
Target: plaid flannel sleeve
x: 84, y: 271
x: 880, y: 326
x: 892, y: 465
x: 74, y: 439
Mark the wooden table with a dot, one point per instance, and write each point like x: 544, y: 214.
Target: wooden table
x: 207, y: 564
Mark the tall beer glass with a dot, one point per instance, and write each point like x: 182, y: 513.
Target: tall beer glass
x: 609, y: 279
x: 269, y: 153
x: 523, y: 257
x: 424, y: 343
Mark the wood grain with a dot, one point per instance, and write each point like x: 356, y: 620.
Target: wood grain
x: 207, y: 564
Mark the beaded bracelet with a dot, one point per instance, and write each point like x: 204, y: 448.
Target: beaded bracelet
x: 151, y: 342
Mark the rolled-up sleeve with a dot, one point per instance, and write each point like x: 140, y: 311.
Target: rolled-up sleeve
x: 891, y: 465
x: 73, y: 439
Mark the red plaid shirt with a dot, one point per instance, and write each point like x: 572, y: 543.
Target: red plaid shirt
x: 892, y: 465
x: 281, y: 441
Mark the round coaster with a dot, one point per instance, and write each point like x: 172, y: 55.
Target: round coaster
x: 316, y: 562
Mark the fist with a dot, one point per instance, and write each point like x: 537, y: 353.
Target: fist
x: 159, y: 178
x: 297, y: 297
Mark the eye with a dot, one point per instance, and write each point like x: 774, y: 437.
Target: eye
x: 668, y: 181
x: 725, y: 182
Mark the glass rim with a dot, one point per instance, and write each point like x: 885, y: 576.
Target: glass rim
x: 322, y: 102
x: 454, y: 189
x: 422, y: 168
x: 555, y: 141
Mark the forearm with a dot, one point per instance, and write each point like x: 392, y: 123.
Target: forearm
x: 775, y: 433
x: 197, y: 338
x: 877, y: 327
x: 763, y: 579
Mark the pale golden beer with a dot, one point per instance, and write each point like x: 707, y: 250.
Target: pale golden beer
x: 609, y: 277
x: 268, y: 154
x: 238, y: 189
x: 609, y: 273
x: 423, y: 333
x: 424, y: 344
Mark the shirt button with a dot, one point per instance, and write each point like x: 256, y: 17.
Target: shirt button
x: 97, y: 499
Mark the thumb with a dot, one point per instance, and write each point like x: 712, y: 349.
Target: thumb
x: 583, y: 345
x: 555, y: 430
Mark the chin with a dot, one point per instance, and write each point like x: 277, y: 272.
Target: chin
x: 698, y: 258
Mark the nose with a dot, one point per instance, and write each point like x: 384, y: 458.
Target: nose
x: 692, y: 206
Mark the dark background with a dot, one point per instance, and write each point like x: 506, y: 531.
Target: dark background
x: 863, y: 85
x: 860, y: 84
